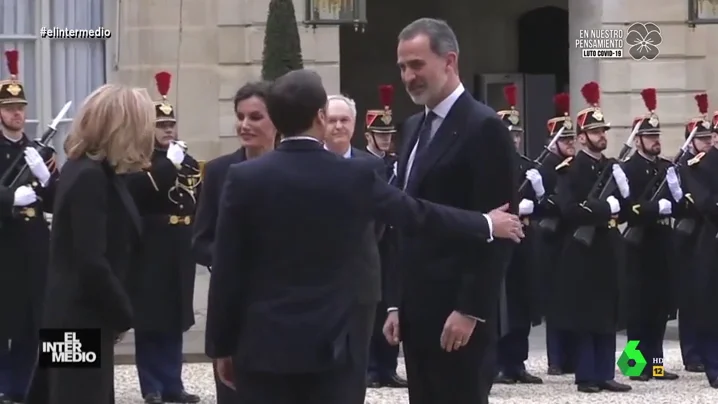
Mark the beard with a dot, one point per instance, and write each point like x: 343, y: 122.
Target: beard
x: 431, y: 90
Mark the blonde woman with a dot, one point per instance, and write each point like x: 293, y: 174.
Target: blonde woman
x: 95, y: 226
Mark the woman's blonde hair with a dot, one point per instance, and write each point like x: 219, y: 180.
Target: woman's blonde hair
x: 115, y: 123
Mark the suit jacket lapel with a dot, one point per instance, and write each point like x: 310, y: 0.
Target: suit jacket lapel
x: 442, y: 140
x: 409, y: 135
x: 129, y: 203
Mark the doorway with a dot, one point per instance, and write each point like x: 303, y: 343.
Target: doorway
x: 544, y: 44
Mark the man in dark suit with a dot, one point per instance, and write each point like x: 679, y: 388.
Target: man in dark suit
x: 456, y: 152
x: 282, y: 309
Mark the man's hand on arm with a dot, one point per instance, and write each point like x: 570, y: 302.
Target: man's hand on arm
x: 504, y: 224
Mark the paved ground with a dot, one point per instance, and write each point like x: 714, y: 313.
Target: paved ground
x: 691, y: 388
x: 194, y: 338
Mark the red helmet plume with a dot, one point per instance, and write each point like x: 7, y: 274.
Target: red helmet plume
x: 163, y: 80
x: 510, y: 94
x: 591, y: 93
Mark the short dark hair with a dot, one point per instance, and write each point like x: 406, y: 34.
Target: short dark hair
x: 442, y: 39
x: 294, y: 100
x: 258, y: 89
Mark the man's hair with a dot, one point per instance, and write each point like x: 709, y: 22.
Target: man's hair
x: 294, y: 100
x: 257, y: 89
x: 442, y: 39
x: 115, y: 123
x: 352, y: 105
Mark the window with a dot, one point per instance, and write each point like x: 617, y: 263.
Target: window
x: 53, y: 71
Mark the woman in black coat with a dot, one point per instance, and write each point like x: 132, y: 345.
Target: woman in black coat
x: 94, y: 232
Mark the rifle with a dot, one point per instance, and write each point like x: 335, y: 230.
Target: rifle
x: 548, y: 224
x: 23, y: 175
x: 603, y: 188
x: 687, y: 225
x: 634, y: 234
x: 540, y: 159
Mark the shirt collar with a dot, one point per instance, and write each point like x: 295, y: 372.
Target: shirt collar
x: 347, y: 154
x: 288, y: 139
x: 442, y: 109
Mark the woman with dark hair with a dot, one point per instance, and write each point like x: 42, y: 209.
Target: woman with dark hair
x: 257, y: 135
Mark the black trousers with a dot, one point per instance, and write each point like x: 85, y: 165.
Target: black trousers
x: 461, y: 377
x: 159, y: 362
x: 344, y: 385
x: 17, y: 361
x: 651, y: 342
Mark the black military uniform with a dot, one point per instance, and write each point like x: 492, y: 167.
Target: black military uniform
x: 649, y: 257
x: 382, y: 355
x: 519, y: 299
x: 701, y: 280
x: 163, y: 291
x: 560, y: 344
x: 589, y: 279
x: 687, y: 228
x: 24, y: 248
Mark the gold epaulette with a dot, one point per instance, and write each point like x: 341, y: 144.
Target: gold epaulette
x: 696, y: 159
x: 564, y: 163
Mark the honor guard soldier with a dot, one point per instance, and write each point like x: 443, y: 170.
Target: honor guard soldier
x: 698, y: 299
x: 588, y: 278
x: 380, y: 130
x: 519, y: 306
x: 166, y: 195
x: 649, y: 238
x: 24, y: 238
x: 560, y: 344
x: 687, y: 224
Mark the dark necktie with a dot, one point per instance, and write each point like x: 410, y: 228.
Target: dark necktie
x: 425, y: 133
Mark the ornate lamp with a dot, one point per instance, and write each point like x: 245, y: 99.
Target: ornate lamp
x: 702, y: 12
x: 336, y: 12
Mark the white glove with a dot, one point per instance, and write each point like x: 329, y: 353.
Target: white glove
x: 536, y: 181
x: 182, y: 144
x: 37, y: 165
x: 613, y: 204
x: 674, y: 184
x: 175, y: 154
x: 664, y: 207
x: 526, y: 207
x: 396, y: 169
x: 24, y: 196
x: 621, y: 181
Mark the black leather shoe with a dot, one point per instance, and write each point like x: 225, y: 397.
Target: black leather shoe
x: 395, y: 381
x: 714, y: 384
x: 554, y: 371
x: 695, y: 368
x: 641, y: 378
x: 4, y: 399
x: 501, y: 378
x: 153, y: 398
x: 182, y: 397
x: 614, y: 386
x: 372, y: 382
x: 667, y: 376
x: 588, y: 388
x: 527, y: 378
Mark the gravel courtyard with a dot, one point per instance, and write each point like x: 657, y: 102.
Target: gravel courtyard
x: 691, y: 388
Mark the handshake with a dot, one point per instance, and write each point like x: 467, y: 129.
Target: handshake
x: 505, y: 224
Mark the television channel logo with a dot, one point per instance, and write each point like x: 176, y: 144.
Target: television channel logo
x: 632, y: 363
x: 70, y: 348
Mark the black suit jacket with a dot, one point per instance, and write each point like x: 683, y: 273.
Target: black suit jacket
x: 469, y: 164
x: 7, y: 198
x: 283, y: 286
x: 205, y: 219
x: 95, y: 231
